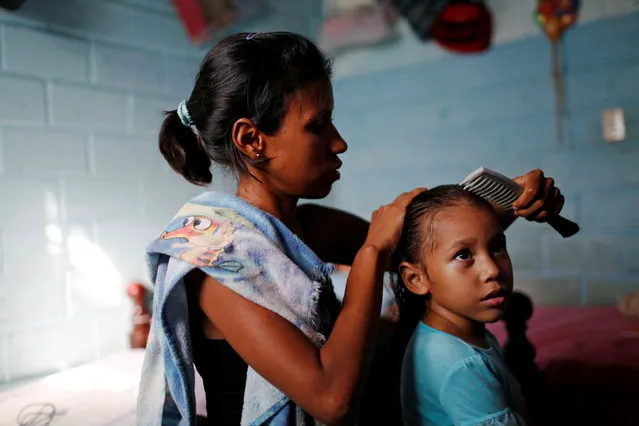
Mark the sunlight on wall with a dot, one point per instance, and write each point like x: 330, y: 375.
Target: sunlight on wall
x: 95, y: 276
x: 92, y: 275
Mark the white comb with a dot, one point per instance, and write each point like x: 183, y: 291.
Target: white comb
x: 503, y: 191
x: 493, y: 187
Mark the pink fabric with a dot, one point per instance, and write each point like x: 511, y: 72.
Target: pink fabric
x: 590, y: 360
x: 591, y: 335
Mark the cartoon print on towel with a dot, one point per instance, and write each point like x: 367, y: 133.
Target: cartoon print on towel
x: 206, y: 240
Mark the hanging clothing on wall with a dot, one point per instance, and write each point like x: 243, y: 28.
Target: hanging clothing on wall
x: 355, y: 23
x: 460, y: 26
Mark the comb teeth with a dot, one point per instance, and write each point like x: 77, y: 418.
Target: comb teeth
x: 493, y: 187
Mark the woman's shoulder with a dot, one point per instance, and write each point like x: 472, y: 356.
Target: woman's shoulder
x: 239, y: 246
x: 211, y: 232
x: 221, y: 207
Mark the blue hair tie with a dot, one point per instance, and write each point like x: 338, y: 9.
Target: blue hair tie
x: 184, y: 115
x: 250, y: 36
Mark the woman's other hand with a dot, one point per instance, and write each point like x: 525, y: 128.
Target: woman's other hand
x: 387, y: 222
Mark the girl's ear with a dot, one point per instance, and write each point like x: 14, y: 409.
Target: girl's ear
x: 414, y: 278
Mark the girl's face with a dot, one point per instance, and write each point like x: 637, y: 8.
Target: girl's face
x: 304, y: 152
x: 468, y: 273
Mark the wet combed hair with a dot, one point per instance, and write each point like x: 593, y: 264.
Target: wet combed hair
x: 418, y: 238
x: 243, y: 76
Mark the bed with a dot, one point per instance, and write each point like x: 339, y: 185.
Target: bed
x: 589, y: 358
x: 100, y: 393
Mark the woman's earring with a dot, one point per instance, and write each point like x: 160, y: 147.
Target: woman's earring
x: 257, y: 156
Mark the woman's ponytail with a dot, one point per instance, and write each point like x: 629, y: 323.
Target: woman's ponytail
x: 183, y: 150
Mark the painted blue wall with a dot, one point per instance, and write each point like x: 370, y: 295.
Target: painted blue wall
x: 433, y: 123
x: 83, y: 84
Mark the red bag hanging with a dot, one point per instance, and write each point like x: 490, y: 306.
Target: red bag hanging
x: 463, y: 26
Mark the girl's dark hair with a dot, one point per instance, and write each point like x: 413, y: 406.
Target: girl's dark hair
x: 244, y: 76
x: 418, y: 238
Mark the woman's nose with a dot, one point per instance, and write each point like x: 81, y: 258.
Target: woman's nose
x: 339, y: 144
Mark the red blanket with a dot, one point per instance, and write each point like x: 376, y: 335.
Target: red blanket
x: 590, y: 359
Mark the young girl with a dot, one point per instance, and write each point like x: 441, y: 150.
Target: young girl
x: 241, y: 287
x: 454, y: 276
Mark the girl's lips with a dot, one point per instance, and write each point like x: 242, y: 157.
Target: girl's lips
x: 494, y: 301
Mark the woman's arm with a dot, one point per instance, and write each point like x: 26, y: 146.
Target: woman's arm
x: 336, y: 236
x: 323, y: 381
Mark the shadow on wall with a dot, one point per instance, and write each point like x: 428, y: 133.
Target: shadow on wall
x: 70, y: 14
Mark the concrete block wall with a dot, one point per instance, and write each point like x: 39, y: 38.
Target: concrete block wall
x: 83, y: 187
x: 82, y: 183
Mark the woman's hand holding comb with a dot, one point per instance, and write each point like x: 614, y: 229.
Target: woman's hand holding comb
x: 540, y: 200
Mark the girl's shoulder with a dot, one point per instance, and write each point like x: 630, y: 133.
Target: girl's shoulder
x: 434, y: 343
x: 433, y: 354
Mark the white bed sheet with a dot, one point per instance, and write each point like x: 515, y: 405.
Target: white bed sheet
x: 100, y: 393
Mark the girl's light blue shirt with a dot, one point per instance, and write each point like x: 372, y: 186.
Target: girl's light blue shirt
x: 446, y: 381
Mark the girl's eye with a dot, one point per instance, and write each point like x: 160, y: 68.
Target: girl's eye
x: 463, y: 255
